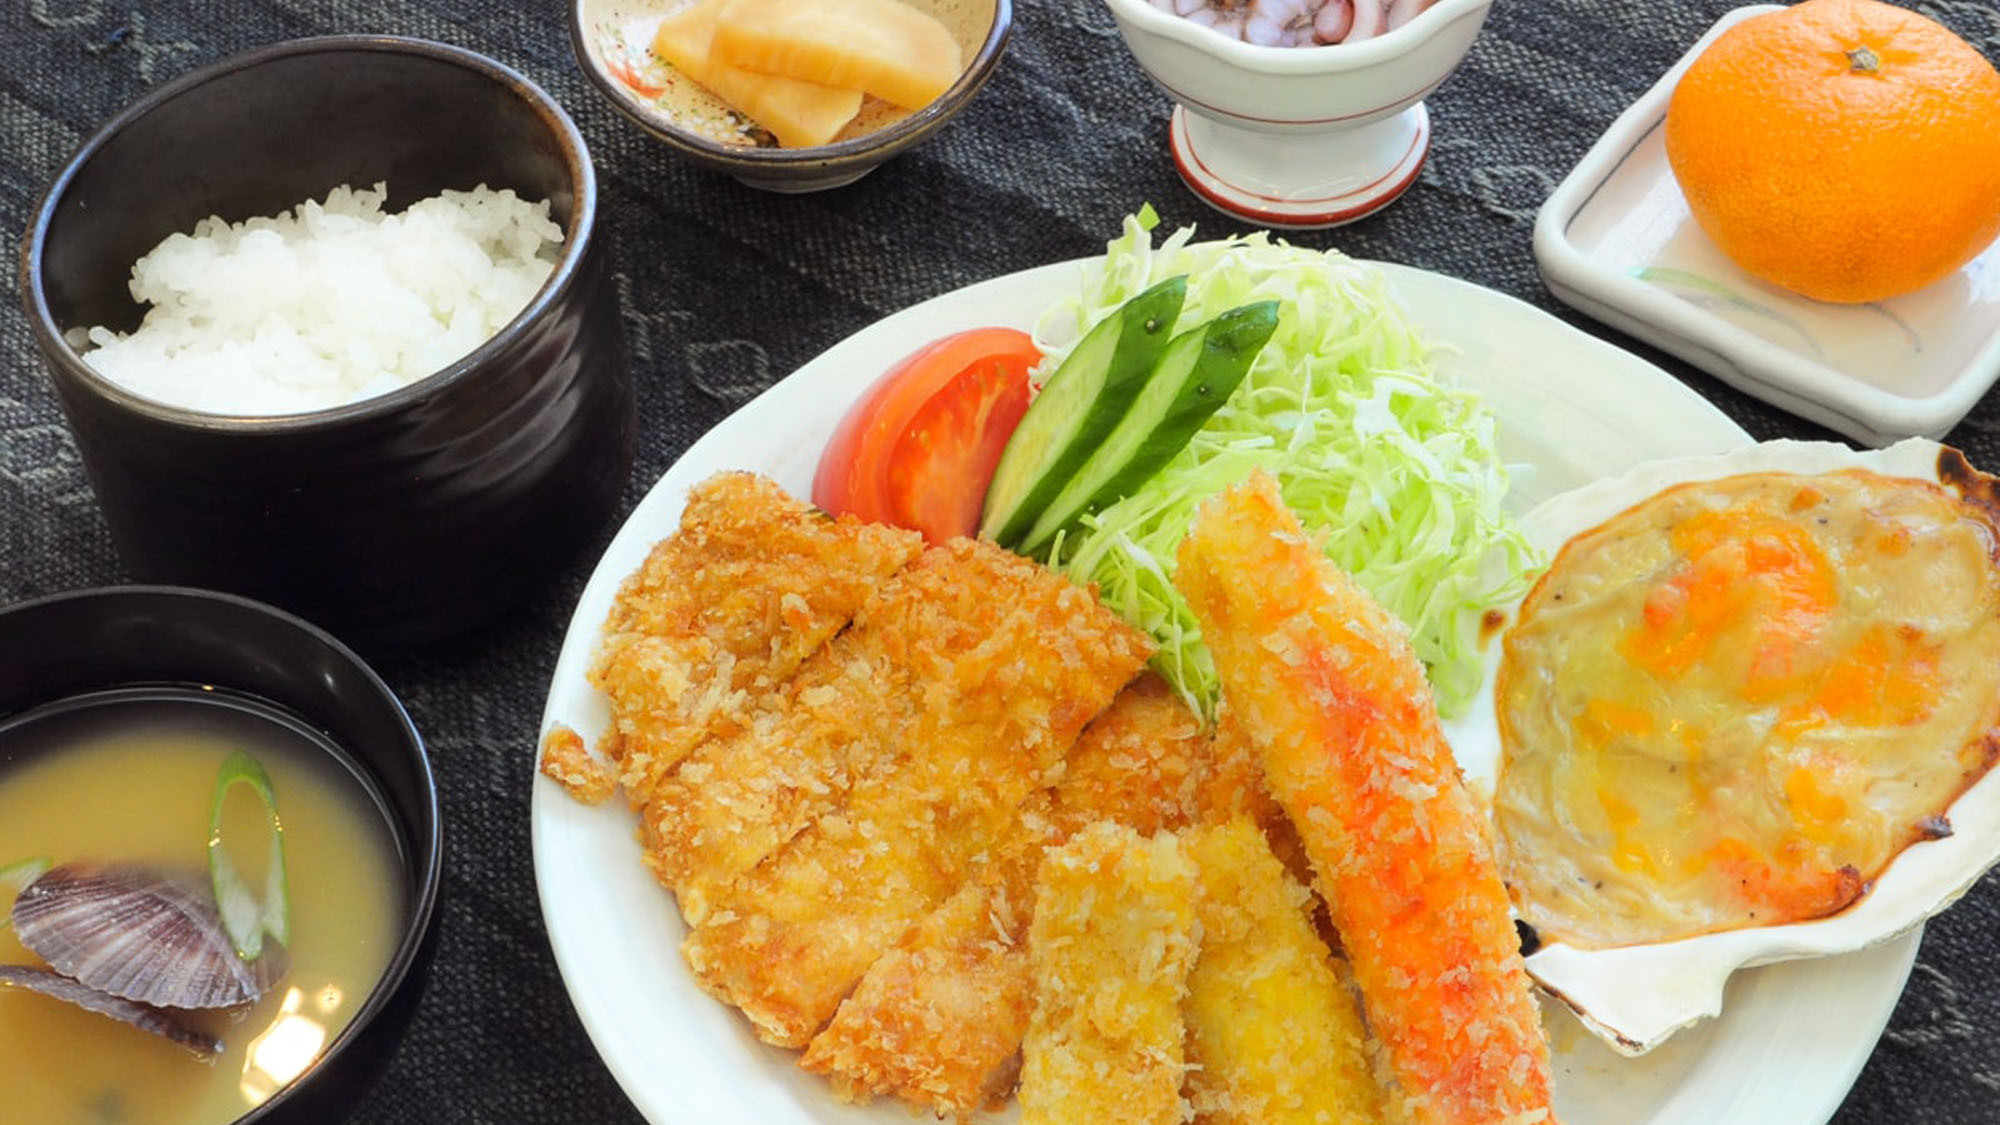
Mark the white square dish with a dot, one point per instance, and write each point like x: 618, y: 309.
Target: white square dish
x: 1615, y: 240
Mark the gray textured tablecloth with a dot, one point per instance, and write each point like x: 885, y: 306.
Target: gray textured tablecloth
x: 727, y: 289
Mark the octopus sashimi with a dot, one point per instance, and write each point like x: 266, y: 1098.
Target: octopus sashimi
x: 1297, y: 23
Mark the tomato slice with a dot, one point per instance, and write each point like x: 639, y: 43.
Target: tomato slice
x: 941, y: 466
x: 919, y: 448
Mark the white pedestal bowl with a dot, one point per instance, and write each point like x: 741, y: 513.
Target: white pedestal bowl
x: 1299, y: 136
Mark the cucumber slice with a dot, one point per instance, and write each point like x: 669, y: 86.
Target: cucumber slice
x: 1088, y: 393
x: 1198, y: 373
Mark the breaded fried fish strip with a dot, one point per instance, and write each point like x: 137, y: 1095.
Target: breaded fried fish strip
x: 1235, y: 787
x: 1274, y: 1037
x: 723, y: 611
x: 1328, y: 688
x: 1011, y: 663
x: 1111, y: 944
x: 938, y: 1021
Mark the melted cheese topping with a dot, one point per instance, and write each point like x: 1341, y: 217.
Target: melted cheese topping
x: 1734, y: 703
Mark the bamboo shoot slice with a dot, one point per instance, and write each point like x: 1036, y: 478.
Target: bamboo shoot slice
x: 800, y: 114
x: 884, y: 47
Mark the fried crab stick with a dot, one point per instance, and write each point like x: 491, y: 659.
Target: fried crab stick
x: 1326, y: 685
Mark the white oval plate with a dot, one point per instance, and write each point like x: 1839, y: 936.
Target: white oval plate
x: 1571, y: 408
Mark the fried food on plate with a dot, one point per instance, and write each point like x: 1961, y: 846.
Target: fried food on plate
x: 1274, y: 1036
x: 1236, y: 787
x: 722, y: 613
x: 736, y: 800
x: 1143, y: 762
x: 1328, y: 689
x: 1012, y: 663
x: 1112, y: 940
x: 938, y: 1021
x: 567, y: 761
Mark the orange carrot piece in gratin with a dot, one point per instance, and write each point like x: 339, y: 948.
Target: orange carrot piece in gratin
x: 1327, y: 686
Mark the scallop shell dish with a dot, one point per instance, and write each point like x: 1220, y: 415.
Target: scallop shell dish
x: 1748, y: 713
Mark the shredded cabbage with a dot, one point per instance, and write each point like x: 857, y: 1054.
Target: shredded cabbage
x: 1395, y: 472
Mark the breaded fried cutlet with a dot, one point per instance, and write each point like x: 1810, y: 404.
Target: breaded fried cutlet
x: 1111, y: 944
x: 912, y: 1029
x: 1330, y: 692
x: 737, y: 799
x: 937, y: 1021
x: 852, y: 712
x: 1151, y: 764
x: 1274, y: 1036
x: 1012, y: 663
x: 723, y: 611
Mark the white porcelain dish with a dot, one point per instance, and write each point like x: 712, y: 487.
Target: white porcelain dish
x: 1299, y: 136
x: 1615, y: 240
x: 1571, y: 409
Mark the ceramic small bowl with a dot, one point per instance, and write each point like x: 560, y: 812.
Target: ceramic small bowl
x: 613, y: 43
x: 106, y: 647
x: 1299, y: 136
x: 394, y: 520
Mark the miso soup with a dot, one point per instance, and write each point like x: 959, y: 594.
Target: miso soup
x: 127, y: 776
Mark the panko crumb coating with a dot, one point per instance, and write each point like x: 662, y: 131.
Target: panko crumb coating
x: 723, y: 612
x: 1113, y: 939
x: 1011, y: 664
x: 1145, y: 762
x: 1325, y: 683
x: 737, y: 799
x: 938, y: 1021
x: 1274, y: 1031
x: 568, y: 762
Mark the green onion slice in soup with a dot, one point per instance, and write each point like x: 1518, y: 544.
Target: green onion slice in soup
x: 246, y: 919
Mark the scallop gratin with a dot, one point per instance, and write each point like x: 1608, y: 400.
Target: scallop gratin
x: 1749, y: 713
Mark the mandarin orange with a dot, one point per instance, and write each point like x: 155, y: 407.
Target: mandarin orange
x: 1847, y: 150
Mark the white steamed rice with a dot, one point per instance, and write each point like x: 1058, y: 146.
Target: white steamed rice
x: 332, y: 303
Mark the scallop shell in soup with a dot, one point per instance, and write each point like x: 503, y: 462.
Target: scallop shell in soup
x: 140, y: 934
x: 1635, y: 996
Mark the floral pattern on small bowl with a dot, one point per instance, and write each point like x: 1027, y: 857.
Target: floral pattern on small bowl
x: 1616, y: 240
x: 617, y: 36
x: 622, y: 38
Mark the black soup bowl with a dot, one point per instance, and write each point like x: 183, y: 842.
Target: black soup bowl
x: 91, y: 651
x: 69, y: 657
x: 395, y: 520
